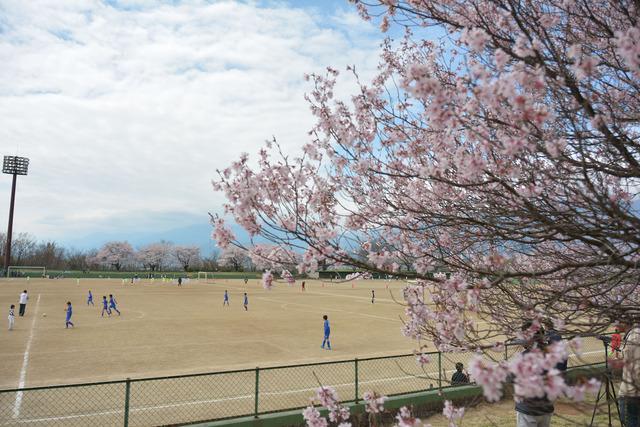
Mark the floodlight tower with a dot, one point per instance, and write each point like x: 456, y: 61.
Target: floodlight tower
x: 12, y: 165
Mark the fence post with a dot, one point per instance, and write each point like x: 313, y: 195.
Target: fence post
x: 127, y: 394
x: 356, y: 383
x: 255, y: 407
x: 439, y: 369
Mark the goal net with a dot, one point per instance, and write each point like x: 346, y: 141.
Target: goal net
x: 205, y: 276
x: 26, y: 271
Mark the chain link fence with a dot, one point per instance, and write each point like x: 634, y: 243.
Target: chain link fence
x: 250, y: 392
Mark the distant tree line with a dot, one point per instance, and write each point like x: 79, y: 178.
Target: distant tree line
x: 26, y: 250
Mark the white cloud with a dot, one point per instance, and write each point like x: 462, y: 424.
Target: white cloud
x: 131, y: 109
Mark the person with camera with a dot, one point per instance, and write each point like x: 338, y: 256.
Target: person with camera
x: 629, y: 393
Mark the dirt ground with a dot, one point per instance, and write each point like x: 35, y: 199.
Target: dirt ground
x: 169, y: 330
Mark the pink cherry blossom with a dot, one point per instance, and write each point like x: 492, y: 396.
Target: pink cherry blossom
x: 452, y: 414
x: 374, y: 403
x: 267, y: 280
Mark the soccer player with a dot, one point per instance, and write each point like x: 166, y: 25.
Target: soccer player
x: 226, y: 298
x: 105, y: 306
x: 12, y: 316
x: 246, y: 302
x: 23, y: 302
x: 69, y: 311
x: 112, y: 304
x: 303, y: 286
x: 373, y: 296
x: 180, y: 281
x: 327, y: 332
x: 90, y: 298
x: 246, y: 279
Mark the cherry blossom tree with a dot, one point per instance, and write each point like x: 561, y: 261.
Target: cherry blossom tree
x: 496, y: 151
x: 153, y: 256
x: 265, y: 257
x: 114, y: 254
x: 186, y: 256
x: 234, y: 257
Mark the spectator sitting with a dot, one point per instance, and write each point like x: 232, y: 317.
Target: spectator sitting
x: 459, y: 377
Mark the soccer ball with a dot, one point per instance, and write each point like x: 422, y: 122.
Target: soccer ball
x: 44, y: 314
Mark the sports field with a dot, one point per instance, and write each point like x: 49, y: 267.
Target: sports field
x: 169, y: 330
x: 166, y: 330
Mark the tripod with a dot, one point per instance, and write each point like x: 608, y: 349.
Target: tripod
x: 609, y: 392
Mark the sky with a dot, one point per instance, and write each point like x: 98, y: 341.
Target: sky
x: 127, y: 108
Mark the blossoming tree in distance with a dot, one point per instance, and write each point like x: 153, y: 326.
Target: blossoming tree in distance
x: 497, y: 152
x: 115, y: 254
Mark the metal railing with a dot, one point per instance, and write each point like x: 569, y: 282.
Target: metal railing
x: 185, y: 399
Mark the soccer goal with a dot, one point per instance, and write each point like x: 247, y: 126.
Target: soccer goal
x: 26, y: 271
x: 205, y: 276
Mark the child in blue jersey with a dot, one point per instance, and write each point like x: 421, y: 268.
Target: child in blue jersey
x: 327, y: 332
x: 69, y: 311
x: 90, y: 298
x: 246, y: 302
x: 226, y: 299
x: 112, y: 304
x: 105, y: 306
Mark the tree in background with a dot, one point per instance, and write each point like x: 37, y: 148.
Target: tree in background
x: 115, y: 254
x: 505, y: 153
x: 49, y: 254
x: 155, y: 255
x: 211, y: 262
x: 234, y: 258
x: 187, y: 256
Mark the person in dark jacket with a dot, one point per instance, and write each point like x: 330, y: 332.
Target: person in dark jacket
x: 534, y: 411
x: 459, y: 377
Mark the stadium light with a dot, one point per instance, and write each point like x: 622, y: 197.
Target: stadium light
x: 12, y: 165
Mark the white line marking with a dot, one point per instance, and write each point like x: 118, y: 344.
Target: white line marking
x: 25, y: 363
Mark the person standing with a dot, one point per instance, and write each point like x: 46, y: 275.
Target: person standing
x: 303, y: 286
x: 246, y: 302
x: 629, y: 392
x: 534, y: 411
x: 373, y: 296
x: 69, y: 311
x: 23, y: 302
x: 616, y: 343
x: 226, y: 298
x: 90, y: 298
x: 12, y: 316
x: 180, y: 281
x: 327, y: 332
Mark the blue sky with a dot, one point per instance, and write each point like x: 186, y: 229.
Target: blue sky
x: 127, y: 108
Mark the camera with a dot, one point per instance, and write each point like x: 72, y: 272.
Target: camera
x: 604, y: 338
